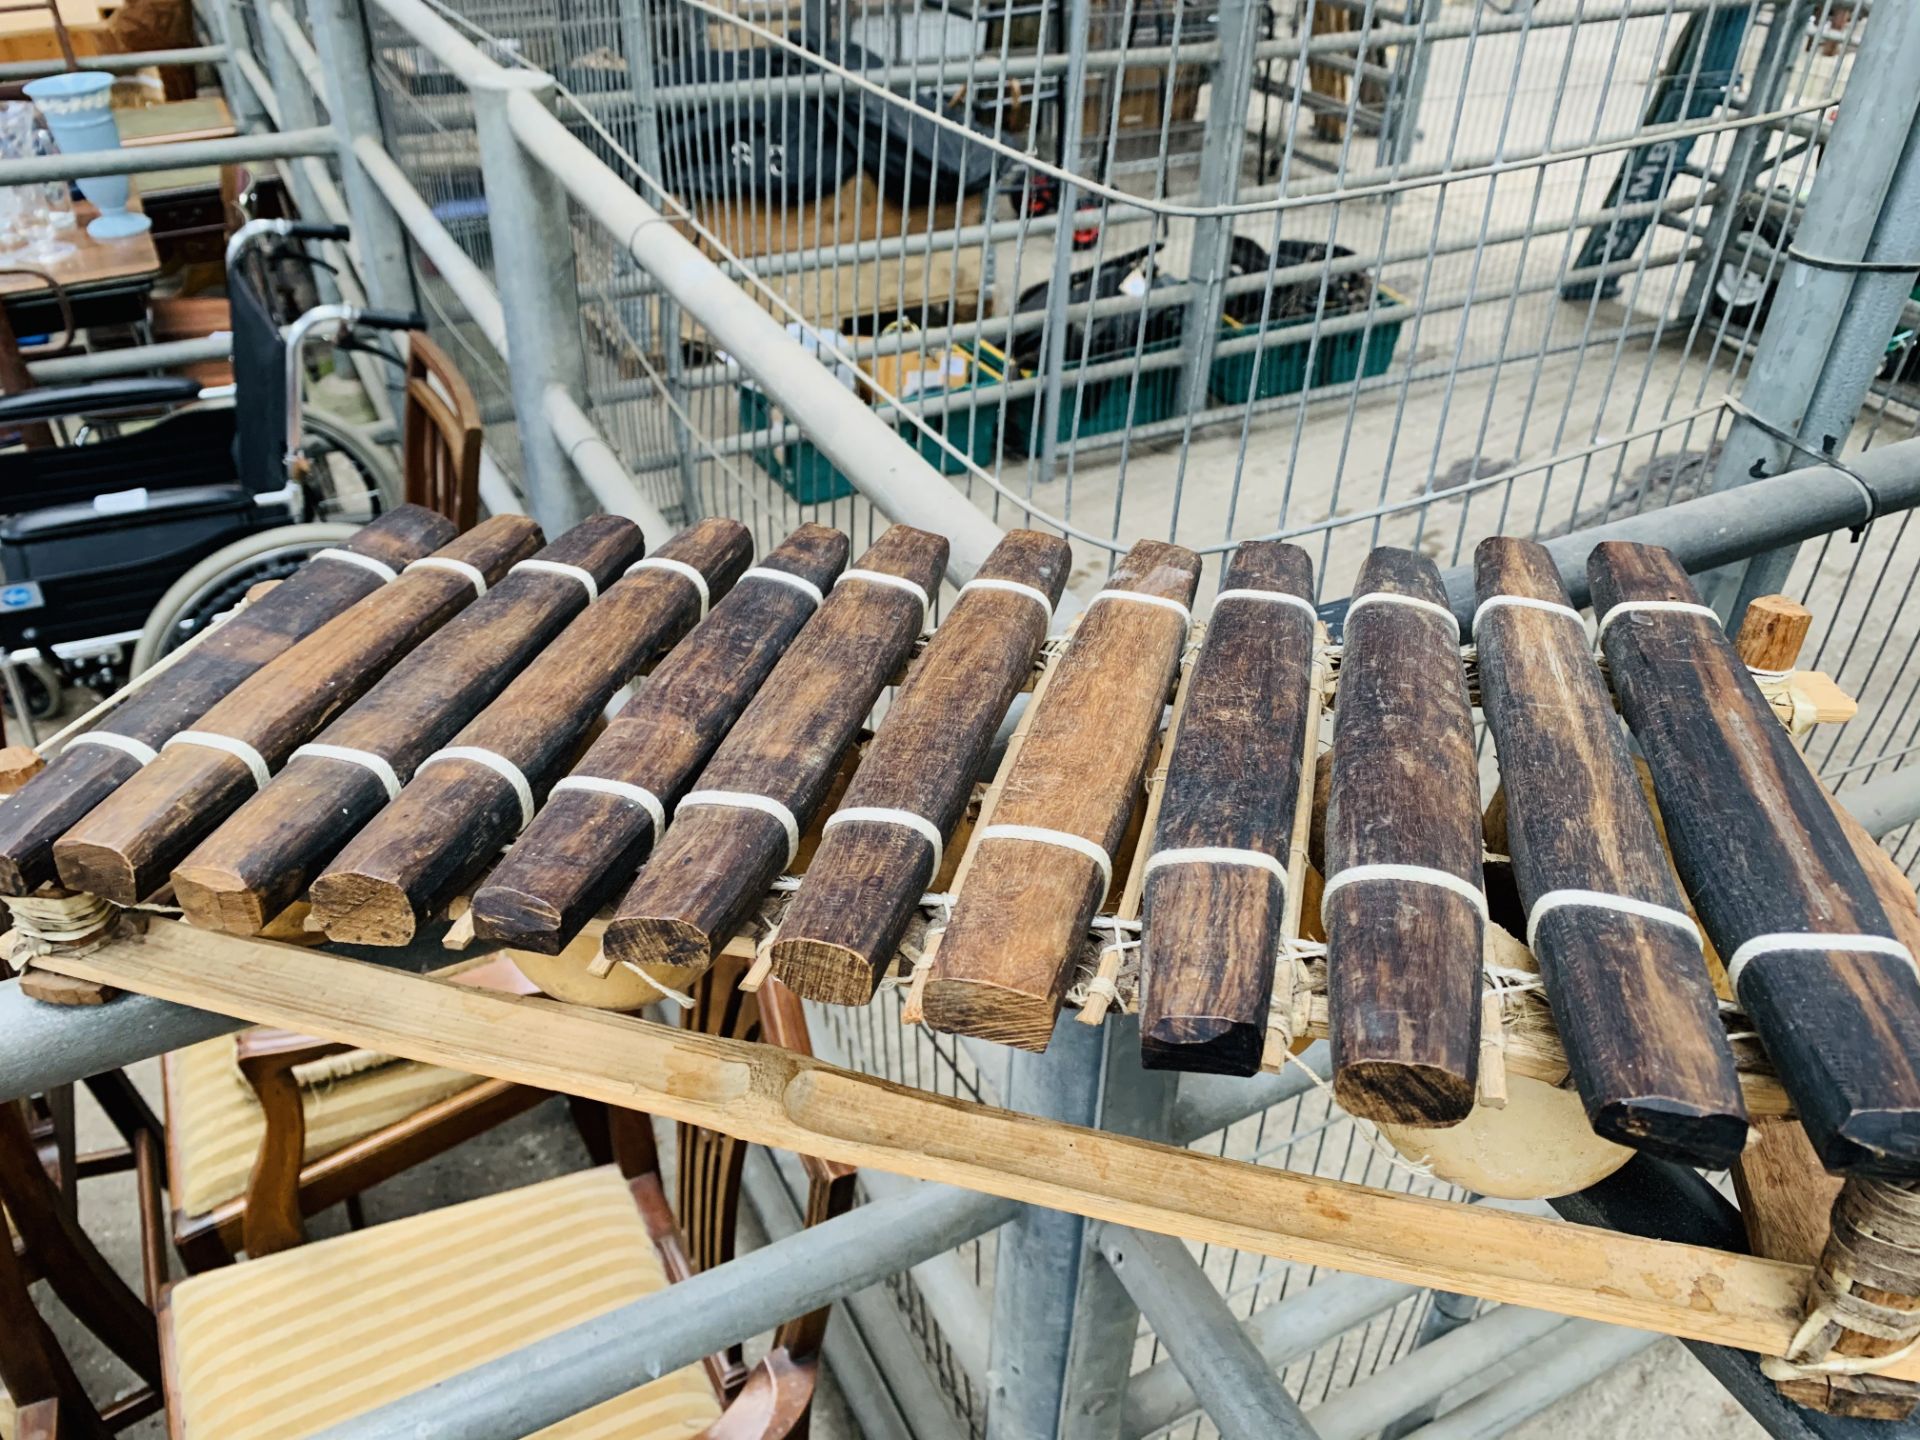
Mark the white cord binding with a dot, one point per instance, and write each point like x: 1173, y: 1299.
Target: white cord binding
x: 784, y: 577
x: 365, y: 759
x: 888, y: 815
x: 1413, y: 874
x: 255, y: 762
x: 1412, y: 602
x: 1800, y: 940
x: 683, y: 570
x: 1600, y: 900
x: 472, y: 573
x: 1140, y: 598
x: 897, y: 582
x: 125, y: 744
x: 1216, y: 855
x: 354, y: 557
x: 1013, y: 587
x: 499, y: 764
x: 1674, y: 607
x: 1527, y: 602
x: 1273, y: 597
x: 1064, y: 839
x: 638, y: 794
x: 743, y: 800
x: 555, y: 567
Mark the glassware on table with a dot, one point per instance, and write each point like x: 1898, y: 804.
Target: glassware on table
x: 58, y: 194
x: 78, y: 106
x: 28, y: 230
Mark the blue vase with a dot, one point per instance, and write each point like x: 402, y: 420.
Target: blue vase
x: 78, y: 107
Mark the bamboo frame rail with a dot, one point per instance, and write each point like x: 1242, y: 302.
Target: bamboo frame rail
x: 772, y: 1097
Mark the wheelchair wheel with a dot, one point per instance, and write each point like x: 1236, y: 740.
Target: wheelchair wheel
x: 352, y: 475
x: 219, y: 582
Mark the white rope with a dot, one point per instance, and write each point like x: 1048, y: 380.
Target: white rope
x: 784, y: 577
x: 1064, y: 839
x: 1412, y: 602
x: 365, y: 759
x: 638, y: 794
x: 1013, y: 587
x: 555, y: 567
x: 1412, y: 874
x: 888, y: 815
x: 354, y: 557
x: 1801, y: 940
x: 896, y: 582
x: 1527, y: 602
x: 255, y: 762
x: 1272, y: 597
x: 1573, y: 899
x: 685, y: 571
x: 125, y: 744
x: 1216, y: 855
x: 744, y: 800
x: 665, y: 992
x: 1138, y: 598
x: 1675, y: 607
x: 499, y: 764
x: 472, y: 573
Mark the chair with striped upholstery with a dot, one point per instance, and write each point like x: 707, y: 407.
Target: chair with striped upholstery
x: 265, y: 1128
x: 286, y: 1346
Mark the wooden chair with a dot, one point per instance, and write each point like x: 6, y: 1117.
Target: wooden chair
x: 442, y: 435
x: 265, y: 1128
x: 282, y: 1347
x: 44, y: 1238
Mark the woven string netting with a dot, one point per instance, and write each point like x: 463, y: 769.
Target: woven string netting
x: 1875, y: 1246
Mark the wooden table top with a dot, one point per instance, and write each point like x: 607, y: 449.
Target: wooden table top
x: 91, y: 262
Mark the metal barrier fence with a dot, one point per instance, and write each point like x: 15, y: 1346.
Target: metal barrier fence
x: 1353, y: 272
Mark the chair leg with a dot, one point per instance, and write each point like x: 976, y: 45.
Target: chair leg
x: 356, y: 1213
x: 78, y: 1272
x: 596, y: 1131
x: 32, y: 1365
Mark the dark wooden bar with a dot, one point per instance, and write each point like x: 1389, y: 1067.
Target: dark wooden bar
x: 1760, y: 852
x: 89, y: 770
x: 591, y: 836
x: 840, y: 932
x: 125, y: 848
x: 1211, y: 921
x: 1403, y: 950
x: 1630, y: 991
x: 1007, y: 957
x: 718, y: 857
x: 451, y: 820
x: 260, y: 860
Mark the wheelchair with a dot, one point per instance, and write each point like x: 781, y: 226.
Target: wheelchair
x: 120, y: 545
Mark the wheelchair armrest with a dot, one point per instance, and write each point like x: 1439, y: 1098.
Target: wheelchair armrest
x: 98, y: 397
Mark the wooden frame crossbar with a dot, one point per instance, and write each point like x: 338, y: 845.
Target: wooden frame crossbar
x: 772, y: 1097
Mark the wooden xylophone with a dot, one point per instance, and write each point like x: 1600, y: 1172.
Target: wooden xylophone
x: 413, y: 724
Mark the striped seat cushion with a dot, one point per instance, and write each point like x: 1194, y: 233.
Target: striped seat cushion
x: 284, y: 1346
x: 217, y: 1123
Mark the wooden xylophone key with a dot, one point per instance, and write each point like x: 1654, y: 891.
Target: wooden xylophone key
x: 1619, y: 952
x: 1404, y: 908
x: 1810, y: 950
x: 126, y: 847
x: 1215, y: 890
x: 882, y: 849
x: 739, y: 827
x: 260, y: 860
x: 1037, y: 872
x: 93, y: 765
x: 468, y: 799
x: 597, y: 826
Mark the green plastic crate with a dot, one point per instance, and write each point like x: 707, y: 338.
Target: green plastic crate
x: 1103, y: 404
x: 803, y: 472
x: 1338, y: 360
